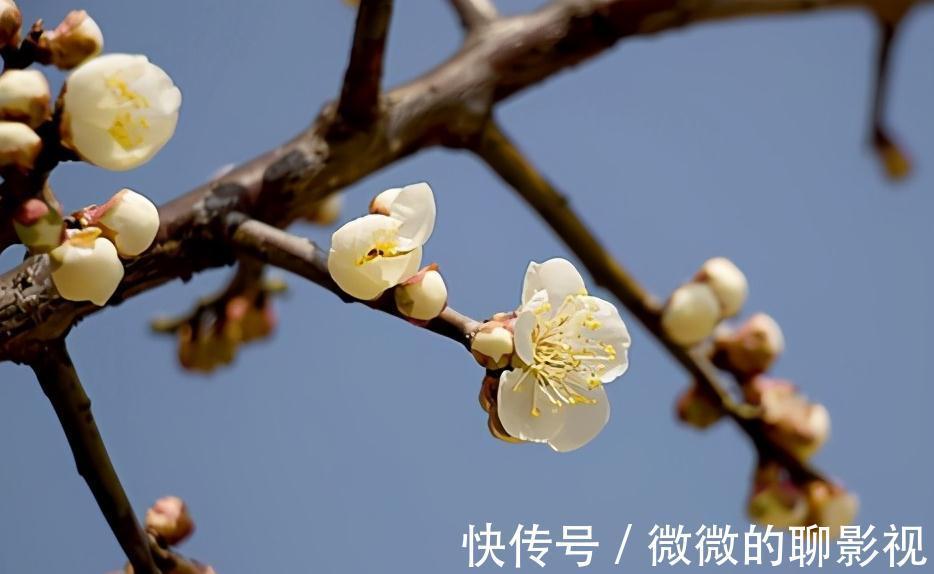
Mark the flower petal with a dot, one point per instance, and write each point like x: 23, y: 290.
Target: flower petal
x: 612, y: 331
x: 582, y: 422
x: 522, y: 336
x: 515, y: 401
x: 557, y: 276
x: 414, y: 206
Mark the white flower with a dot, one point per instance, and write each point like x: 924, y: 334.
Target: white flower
x: 691, y: 314
x: 119, y: 111
x: 567, y: 345
x: 423, y: 296
x: 86, y: 267
x: 128, y: 219
x: 19, y: 145
x: 24, y: 97
x: 75, y: 40
x: 376, y: 252
x: 728, y: 283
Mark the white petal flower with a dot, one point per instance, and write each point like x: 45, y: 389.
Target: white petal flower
x: 119, y: 111
x: 128, y: 219
x: 728, y: 283
x: 422, y: 297
x: 25, y: 97
x: 691, y: 314
x: 568, y: 345
x: 86, y: 267
x: 376, y: 252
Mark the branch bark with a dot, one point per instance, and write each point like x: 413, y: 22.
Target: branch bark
x: 359, y: 102
x: 508, y: 162
x: 447, y: 106
x: 60, y: 382
x: 475, y: 13
x: 302, y: 257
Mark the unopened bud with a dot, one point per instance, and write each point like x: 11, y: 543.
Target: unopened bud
x: 795, y: 423
x: 326, y: 211
x: 492, y: 345
x: 128, y: 219
x: 832, y: 506
x: 423, y: 296
x: 169, y: 519
x: 39, y: 226
x: 894, y: 159
x: 10, y: 22
x: 691, y: 314
x: 25, y: 97
x: 19, y: 145
x: 728, y: 283
x: 205, y: 350
x: 697, y: 409
x: 381, y: 203
x: 86, y: 267
x: 247, y: 320
x: 77, y: 39
x: 776, y: 500
x: 752, y: 348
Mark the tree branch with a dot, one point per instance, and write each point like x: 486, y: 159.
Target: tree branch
x: 508, y: 162
x: 359, y: 102
x: 59, y: 381
x: 302, y: 257
x: 474, y: 13
x: 446, y: 106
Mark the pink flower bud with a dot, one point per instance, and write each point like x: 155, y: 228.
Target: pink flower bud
x: 77, y: 39
x: 39, y: 227
x: 168, y: 519
x: 10, y: 22
x: 697, y: 409
x: 775, y: 499
x: 751, y: 349
x: 832, y: 506
x: 792, y: 421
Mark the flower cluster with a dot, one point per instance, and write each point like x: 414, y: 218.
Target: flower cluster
x: 558, y: 349
x: 788, y: 419
x: 115, y: 111
x: 383, y: 250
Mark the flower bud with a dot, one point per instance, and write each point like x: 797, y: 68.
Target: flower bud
x: 697, y: 409
x: 168, y: 519
x: 19, y: 145
x: 894, y: 159
x: 492, y: 345
x: 77, y: 39
x: 248, y: 320
x: 728, y: 283
x: 128, y: 219
x: 24, y: 97
x: 39, y: 226
x: 775, y: 499
x: 86, y: 267
x: 10, y: 22
x: 423, y: 296
x: 792, y: 421
x: 326, y: 211
x: 831, y: 506
x: 691, y: 314
x: 206, y: 349
x: 488, y: 390
x: 751, y: 349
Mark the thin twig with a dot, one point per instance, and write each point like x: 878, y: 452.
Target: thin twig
x: 302, y: 257
x: 507, y: 161
x: 359, y: 103
x: 60, y: 382
x: 475, y: 13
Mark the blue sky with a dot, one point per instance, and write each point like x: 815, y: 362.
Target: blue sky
x: 353, y: 442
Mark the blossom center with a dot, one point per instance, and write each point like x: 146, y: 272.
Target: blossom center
x: 127, y: 129
x: 384, y: 243
x: 567, y: 360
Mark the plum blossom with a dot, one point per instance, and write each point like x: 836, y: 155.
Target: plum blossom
x: 568, y: 344
x: 380, y: 250
x: 120, y: 110
x: 86, y: 267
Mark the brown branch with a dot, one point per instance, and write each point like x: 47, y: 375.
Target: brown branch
x: 302, y: 257
x: 359, y: 102
x: 448, y: 105
x: 475, y: 13
x: 508, y: 162
x: 172, y: 562
x: 59, y: 381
